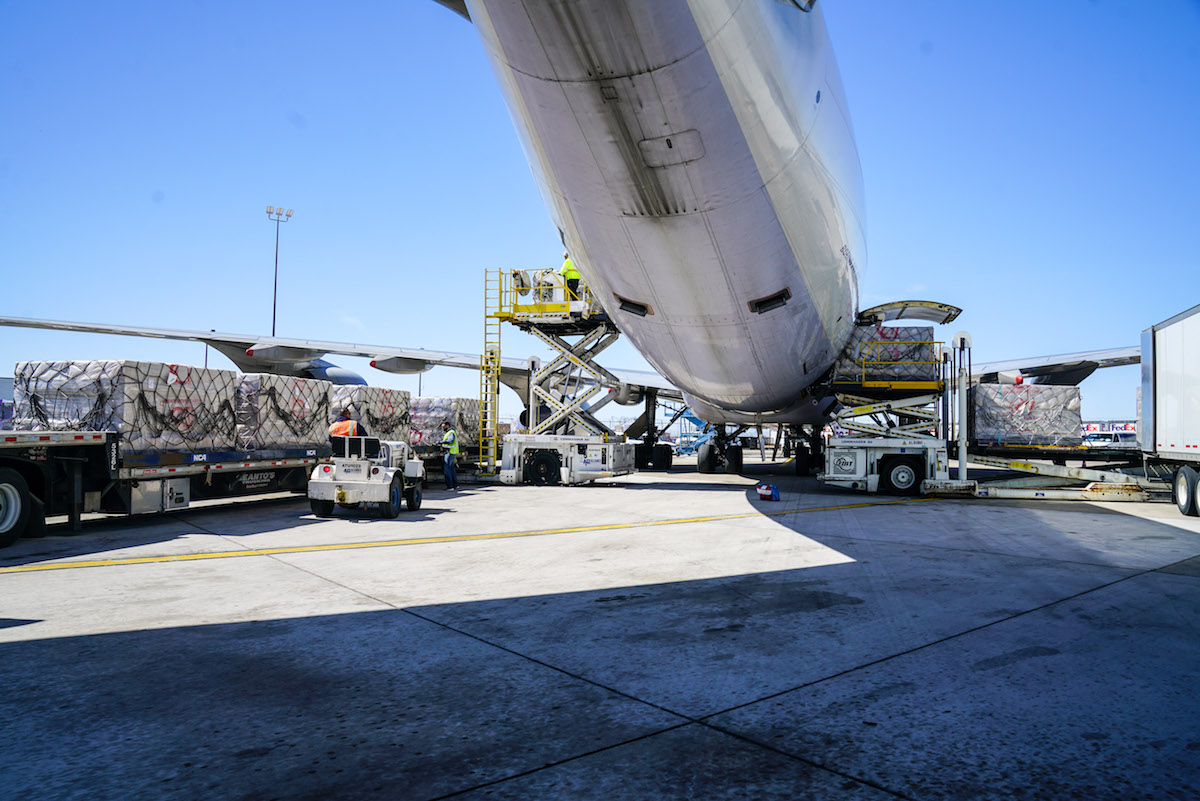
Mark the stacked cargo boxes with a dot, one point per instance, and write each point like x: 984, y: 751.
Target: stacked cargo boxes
x: 427, y: 417
x: 278, y: 412
x: 155, y: 407
x: 385, y: 413
x: 1025, y: 414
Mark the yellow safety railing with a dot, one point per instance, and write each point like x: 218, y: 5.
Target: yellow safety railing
x: 547, y: 297
x: 875, y: 357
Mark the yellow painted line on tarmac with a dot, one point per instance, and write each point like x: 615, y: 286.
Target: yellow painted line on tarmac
x: 342, y: 546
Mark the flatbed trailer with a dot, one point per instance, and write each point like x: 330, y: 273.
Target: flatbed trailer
x: 47, y: 473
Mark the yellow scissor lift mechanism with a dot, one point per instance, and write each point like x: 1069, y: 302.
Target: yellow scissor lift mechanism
x: 538, y: 302
x: 868, y: 400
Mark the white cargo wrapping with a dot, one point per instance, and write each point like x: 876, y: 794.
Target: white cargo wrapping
x: 279, y: 411
x: 888, y: 353
x: 1026, y: 414
x: 428, y: 414
x: 155, y: 407
x: 385, y: 413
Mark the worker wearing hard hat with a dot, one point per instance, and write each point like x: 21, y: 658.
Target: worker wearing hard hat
x: 571, y: 275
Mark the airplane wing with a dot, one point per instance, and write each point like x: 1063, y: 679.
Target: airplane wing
x: 252, y: 353
x: 1065, y: 369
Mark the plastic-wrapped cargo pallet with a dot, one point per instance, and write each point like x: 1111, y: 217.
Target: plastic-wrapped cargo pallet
x: 428, y: 414
x: 280, y: 411
x: 889, y: 352
x: 155, y: 407
x: 6, y: 415
x: 1026, y: 414
x: 384, y: 412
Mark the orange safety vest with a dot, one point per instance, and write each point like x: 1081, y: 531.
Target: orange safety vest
x: 344, y: 428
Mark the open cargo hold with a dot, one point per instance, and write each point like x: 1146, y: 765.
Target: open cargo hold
x: 385, y: 413
x: 281, y: 412
x: 155, y: 407
x: 427, y: 417
x: 1026, y: 414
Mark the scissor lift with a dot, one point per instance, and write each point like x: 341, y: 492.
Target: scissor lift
x: 564, y: 393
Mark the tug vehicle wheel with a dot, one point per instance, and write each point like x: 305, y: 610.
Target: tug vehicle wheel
x: 390, y: 508
x: 321, y: 508
x: 412, y: 497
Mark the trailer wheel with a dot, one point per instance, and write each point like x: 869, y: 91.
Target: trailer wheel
x: 14, y: 506
x: 390, y: 508
x: 1184, y: 490
x: 706, y: 458
x: 412, y: 497
x: 543, y: 468
x: 321, y: 508
x: 733, y: 459
x: 900, y: 476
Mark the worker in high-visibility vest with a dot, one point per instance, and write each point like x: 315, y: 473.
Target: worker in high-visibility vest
x: 571, y: 275
x: 344, y: 426
x: 450, y: 446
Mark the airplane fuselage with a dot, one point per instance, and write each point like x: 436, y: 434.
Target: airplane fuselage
x: 699, y: 161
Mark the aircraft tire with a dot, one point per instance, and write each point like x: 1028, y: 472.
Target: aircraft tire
x: 390, y: 508
x: 900, y: 476
x: 412, y: 497
x: 15, y: 506
x: 1183, y: 487
x: 641, y: 456
x: 662, y: 456
x: 706, y: 458
x: 733, y: 459
x: 321, y: 508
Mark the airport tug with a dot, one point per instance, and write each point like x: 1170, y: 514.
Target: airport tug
x: 365, y: 471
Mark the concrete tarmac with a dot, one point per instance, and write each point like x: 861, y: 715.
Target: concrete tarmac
x: 664, y: 636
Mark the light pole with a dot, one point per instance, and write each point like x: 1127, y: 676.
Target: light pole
x: 278, y: 216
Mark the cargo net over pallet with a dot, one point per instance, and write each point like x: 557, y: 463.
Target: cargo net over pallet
x: 280, y: 412
x: 1025, y: 414
x: 154, y: 407
x: 888, y: 381
x: 890, y: 358
x: 385, y: 413
x: 427, y: 417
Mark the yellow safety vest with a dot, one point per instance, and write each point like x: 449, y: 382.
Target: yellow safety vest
x: 569, y: 272
x: 451, y: 438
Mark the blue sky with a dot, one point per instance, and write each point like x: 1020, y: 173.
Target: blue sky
x: 1033, y: 163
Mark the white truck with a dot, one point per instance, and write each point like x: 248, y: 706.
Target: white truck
x: 1169, y: 404
x: 554, y: 459
x: 367, y: 471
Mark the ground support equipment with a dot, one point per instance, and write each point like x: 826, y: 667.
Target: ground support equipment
x: 365, y: 470
x: 563, y: 459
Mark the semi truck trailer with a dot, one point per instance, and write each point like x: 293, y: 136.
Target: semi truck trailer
x: 1169, y: 405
